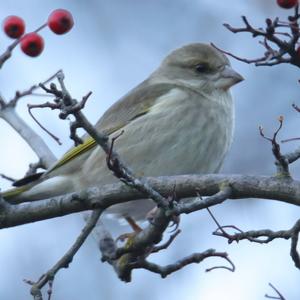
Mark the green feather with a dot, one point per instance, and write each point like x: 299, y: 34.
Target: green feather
x: 14, y: 192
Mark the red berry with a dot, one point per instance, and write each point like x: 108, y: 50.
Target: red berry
x: 14, y: 27
x: 32, y: 44
x: 287, y: 3
x: 60, y: 21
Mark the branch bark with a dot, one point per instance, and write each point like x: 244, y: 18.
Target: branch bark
x: 242, y: 186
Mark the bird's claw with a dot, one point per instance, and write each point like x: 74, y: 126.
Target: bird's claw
x: 174, y: 223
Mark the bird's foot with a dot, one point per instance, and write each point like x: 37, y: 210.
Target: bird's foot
x: 135, y: 227
x: 174, y: 221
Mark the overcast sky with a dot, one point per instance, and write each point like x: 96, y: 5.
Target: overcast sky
x: 115, y: 45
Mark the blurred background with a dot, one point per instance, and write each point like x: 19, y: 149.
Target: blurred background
x: 113, y: 46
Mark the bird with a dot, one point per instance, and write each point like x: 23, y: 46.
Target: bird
x: 180, y: 120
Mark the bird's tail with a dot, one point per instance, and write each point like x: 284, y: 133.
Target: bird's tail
x: 37, y: 187
x: 13, y: 194
x: 21, y: 186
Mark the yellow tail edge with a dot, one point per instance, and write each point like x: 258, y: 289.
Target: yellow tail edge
x: 14, y: 192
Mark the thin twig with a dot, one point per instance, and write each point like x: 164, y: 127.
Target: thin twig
x: 7, y: 54
x: 7, y: 177
x: 164, y: 271
x: 282, y: 163
x: 279, y: 295
x: 40, y: 124
x: 19, y: 95
x: 167, y: 243
x: 286, y: 52
x: 68, y: 257
x: 265, y: 236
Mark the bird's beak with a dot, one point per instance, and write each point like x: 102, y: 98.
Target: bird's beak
x: 229, y: 73
x: 228, y: 78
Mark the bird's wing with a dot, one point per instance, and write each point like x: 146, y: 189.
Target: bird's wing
x: 133, y: 105
x: 130, y: 107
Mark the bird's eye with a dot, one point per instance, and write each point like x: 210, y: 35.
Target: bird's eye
x: 201, y: 68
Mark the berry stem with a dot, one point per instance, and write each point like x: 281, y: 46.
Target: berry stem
x: 41, y: 27
x: 7, y: 54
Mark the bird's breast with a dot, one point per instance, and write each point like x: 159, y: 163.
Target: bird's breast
x: 185, y: 132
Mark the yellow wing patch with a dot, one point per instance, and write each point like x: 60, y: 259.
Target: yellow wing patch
x: 88, y: 144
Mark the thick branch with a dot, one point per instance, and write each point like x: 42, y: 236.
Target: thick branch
x: 293, y: 156
x: 198, y: 203
x: 9, y: 114
x: 243, y: 186
x: 36, y: 143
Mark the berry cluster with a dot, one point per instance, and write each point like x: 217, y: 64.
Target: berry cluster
x: 60, y: 21
x: 287, y: 3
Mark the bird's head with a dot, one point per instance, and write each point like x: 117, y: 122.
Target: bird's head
x: 199, y: 66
